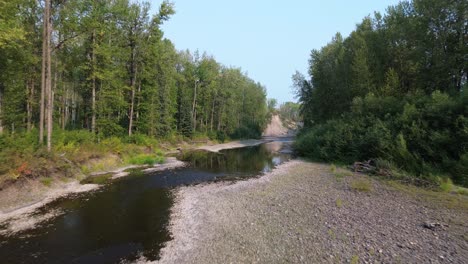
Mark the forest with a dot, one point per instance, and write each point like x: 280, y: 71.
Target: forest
x: 91, y: 71
x: 394, y: 91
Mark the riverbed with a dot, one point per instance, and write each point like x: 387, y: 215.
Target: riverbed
x: 128, y: 218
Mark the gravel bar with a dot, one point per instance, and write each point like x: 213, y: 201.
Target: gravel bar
x: 303, y: 213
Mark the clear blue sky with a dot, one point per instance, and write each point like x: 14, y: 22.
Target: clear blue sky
x: 269, y: 40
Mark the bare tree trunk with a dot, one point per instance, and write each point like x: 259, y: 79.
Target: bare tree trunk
x: 220, y: 116
x: 132, y: 103
x: 62, y: 108
x: 50, y: 106
x: 212, y: 115
x: 29, y: 103
x: 73, y: 107
x: 194, y: 114
x: 93, y: 100
x: 45, y: 38
x: 195, y: 121
x: 137, y: 114
x: 152, y: 118
x: 133, y: 71
x: 1, y: 108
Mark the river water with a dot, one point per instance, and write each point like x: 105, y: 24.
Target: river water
x: 128, y: 217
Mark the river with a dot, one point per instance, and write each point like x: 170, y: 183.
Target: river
x: 128, y: 217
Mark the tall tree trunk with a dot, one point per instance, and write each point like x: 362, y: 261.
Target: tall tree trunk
x: 194, y: 114
x: 220, y: 116
x: 133, y: 70
x: 132, y: 105
x: 29, y: 103
x: 64, y: 107
x: 93, y: 96
x: 212, y: 115
x: 45, y: 38
x: 50, y: 106
x: 137, y: 114
x: 1, y: 108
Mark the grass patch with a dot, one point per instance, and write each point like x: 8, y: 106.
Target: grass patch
x: 461, y: 190
x: 339, y: 203
x: 145, y: 159
x: 341, y: 174
x: 331, y: 233
x: 446, y: 185
x: 354, y: 260
x: 431, y: 197
x: 47, y: 181
x: 100, y: 179
x: 361, y: 185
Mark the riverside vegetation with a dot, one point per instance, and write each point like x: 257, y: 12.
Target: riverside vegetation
x: 395, y: 92
x: 97, y: 79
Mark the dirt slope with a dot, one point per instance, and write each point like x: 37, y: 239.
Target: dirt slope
x: 275, y: 128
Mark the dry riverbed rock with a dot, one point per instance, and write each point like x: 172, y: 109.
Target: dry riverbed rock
x: 308, y: 213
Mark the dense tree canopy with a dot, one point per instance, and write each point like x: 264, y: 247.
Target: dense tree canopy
x: 112, y: 72
x: 394, y: 90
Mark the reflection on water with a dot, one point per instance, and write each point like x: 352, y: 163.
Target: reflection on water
x: 129, y: 216
x: 238, y: 163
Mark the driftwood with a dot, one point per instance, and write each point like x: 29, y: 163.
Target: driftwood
x: 365, y: 167
x: 370, y: 167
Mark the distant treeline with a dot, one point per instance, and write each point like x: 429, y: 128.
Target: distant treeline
x: 394, y: 91
x: 108, y: 69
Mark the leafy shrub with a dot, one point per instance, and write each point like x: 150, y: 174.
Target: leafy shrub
x: 141, y: 140
x: 446, y: 185
x: 250, y: 130
x: 113, y: 144
x: 64, y: 137
x: 421, y: 134
x: 145, y: 159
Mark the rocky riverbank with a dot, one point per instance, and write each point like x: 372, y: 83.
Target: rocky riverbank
x: 19, y: 202
x: 306, y: 212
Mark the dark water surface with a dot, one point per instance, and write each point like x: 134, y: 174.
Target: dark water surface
x: 128, y: 217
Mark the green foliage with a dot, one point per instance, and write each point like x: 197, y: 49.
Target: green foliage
x: 289, y: 111
x: 145, y: 159
x: 446, y: 185
x: 113, y: 144
x: 420, y: 134
x: 142, y: 140
x: 119, y: 86
x: 99, y: 179
x: 361, y: 185
x: 339, y: 203
x: 47, y: 181
x: 390, y: 93
x: 247, y: 131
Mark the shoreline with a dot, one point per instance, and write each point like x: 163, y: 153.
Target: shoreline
x: 305, y: 212
x: 233, y: 145
x: 18, y: 215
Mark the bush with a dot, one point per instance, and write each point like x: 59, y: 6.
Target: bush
x: 145, y: 159
x: 247, y: 131
x: 446, y: 185
x: 113, y: 144
x: 141, y: 140
x: 421, y: 134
